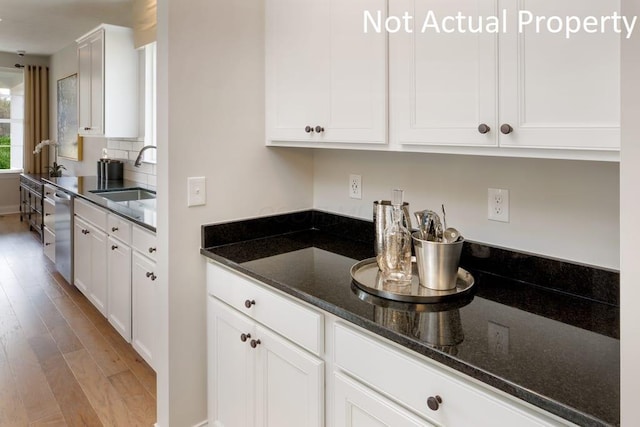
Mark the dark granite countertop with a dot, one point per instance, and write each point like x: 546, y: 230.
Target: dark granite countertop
x: 141, y: 212
x: 562, y: 352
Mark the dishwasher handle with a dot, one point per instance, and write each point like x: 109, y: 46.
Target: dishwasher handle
x: 61, y: 196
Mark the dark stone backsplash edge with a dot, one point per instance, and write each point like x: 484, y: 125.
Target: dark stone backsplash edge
x: 598, y: 284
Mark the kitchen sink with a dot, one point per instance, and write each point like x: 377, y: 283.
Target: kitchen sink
x: 126, y: 194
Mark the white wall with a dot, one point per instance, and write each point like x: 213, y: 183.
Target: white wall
x: 9, y: 193
x: 630, y: 230
x: 563, y: 209
x: 211, y: 123
x: 9, y: 59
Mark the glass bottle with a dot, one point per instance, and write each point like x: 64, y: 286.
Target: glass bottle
x: 396, y: 261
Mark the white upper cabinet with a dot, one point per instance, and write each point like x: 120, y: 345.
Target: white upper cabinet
x: 515, y: 89
x: 558, y: 92
x: 107, y: 83
x: 326, y: 79
x: 443, y: 86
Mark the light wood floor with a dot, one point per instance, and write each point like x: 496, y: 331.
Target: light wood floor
x: 61, y: 362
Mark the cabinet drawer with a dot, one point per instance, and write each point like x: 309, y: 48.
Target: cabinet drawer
x: 144, y: 242
x: 49, y: 244
x: 279, y: 313
x: 411, y: 382
x: 49, y: 208
x: 91, y: 213
x: 49, y: 191
x: 119, y: 228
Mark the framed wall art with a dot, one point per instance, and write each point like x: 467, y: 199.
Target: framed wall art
x: 70, y: 145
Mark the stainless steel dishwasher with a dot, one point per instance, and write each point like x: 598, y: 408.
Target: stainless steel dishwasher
x: 64, y: 234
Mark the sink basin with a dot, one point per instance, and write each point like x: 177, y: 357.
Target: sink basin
x: 126, y: 194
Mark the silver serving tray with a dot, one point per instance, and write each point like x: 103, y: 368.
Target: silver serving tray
x: 365, y: 275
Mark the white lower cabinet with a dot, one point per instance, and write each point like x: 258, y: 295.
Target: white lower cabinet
x: 90, y: 262
x: 266, y: 368
x: 115, y: 267
x: 358, y: 406
x: 440, y: 396
x: 119, y: 285
x: 256, y: 377
x: 144, y: 308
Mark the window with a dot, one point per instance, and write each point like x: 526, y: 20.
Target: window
x: 11, y: 118
x: 147, y: 64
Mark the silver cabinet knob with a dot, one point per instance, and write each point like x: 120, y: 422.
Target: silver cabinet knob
x: 506, y: 129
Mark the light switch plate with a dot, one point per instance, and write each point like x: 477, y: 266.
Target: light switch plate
x: 196, y: 191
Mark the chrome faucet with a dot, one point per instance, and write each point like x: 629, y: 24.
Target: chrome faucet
x: 138, y: 161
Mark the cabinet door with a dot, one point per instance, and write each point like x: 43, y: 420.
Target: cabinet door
x: 443, y: 86
x: 81, y: 256
x: 119, y: 287
x: 290, y: 383
x: 358, y: 406
x: 231, y: 366
x: 144, y: 307
x: 98, y: 286
x: 323, y: 70
x: 91, y: 84
x: 559, y: 92
x: 84, y: 87
x: 97, y: 84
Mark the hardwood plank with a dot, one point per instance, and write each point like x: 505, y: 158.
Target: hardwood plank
x: 55, y: 420
x: 107, y: 402
x: 74, y: 405
x: 43, y: 319
x: 145, y: 374
x: 135, y: 396
x: 12, y: 412
x: 61, y: 331
x: 37, y: 397
x: 105, y: 356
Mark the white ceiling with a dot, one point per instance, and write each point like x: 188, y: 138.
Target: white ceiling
x: 43, y: 27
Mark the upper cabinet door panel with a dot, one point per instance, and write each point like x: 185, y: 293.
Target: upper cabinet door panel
x: 323, y: 71
x: 443, y: 81
x: 559, y: 90
x: 298, y: 58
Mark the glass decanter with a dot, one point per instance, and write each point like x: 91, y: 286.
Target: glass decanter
x: 396, y: 256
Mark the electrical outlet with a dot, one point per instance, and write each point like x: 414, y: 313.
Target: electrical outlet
x: 498, y: 337
x: 498, y: 202
x: 355, y: 186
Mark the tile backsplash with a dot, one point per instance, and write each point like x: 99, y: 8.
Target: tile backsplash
x: 127, y: 150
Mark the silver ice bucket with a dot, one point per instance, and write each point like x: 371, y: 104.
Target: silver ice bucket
x: 437, y: 262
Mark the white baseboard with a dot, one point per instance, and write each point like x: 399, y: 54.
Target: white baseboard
x: 10, y: 209
x: 204, y: 423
